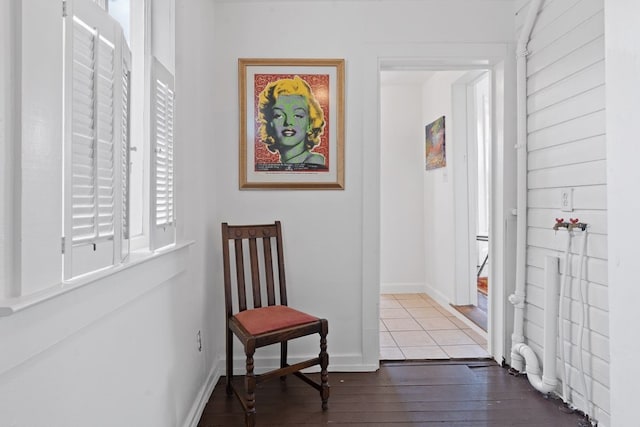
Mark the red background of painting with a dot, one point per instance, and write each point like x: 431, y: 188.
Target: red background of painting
x: 320, y: 86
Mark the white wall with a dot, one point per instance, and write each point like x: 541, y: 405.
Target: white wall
x: 623, y: 106
x: 337, y: 229
x: 194, y: 92
x: 92, y: 357
x: 122, y: 350
x: 402, y: 254
x: 566, y: 145
x: 439, y: 214
x: 40, y: 124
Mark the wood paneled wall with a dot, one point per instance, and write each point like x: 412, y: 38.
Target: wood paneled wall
x: 566, y: 146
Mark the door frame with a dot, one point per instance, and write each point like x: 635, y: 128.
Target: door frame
x: 500, y: 59
x: 466, y: 194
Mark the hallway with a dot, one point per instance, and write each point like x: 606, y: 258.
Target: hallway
x: 414, y: 326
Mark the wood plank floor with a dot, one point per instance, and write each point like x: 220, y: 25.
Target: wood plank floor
x: 443, y: 393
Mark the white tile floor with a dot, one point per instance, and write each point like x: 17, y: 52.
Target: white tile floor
x: 414, y: 326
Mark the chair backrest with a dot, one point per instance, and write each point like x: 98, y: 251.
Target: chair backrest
x: 252, y: 249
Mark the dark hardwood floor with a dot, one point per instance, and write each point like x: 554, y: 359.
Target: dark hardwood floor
x: 443, y: 393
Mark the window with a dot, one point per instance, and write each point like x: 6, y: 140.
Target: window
x: 98, y: 76
x: 136, y: 15
x: 98, y: 142
x: 120, y: 10
x: 84, y: 120
x: 96, y: 126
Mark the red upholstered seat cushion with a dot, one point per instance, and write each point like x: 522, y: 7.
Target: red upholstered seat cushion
x: 272, y: 318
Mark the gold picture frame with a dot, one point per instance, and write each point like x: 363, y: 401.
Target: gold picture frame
x: 291, y: 123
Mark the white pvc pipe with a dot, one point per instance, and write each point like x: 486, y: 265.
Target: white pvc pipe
x: 583, y: 318
x: 563, y: 286
x: 551, y: 281
x: 518, y: 298
x: 546, y: 381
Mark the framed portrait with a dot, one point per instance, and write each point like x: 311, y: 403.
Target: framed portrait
x: 435, y: 145
x: 291, y: 123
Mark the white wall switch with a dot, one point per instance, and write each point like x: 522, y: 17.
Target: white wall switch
x: 566, y: 199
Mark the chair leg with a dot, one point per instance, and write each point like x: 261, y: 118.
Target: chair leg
x: 324, y: 363
x: 229, y: 337
x: 283, y: 357
x: 250, y: 387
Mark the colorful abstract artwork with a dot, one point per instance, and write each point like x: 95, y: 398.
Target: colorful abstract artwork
x: 435, y: 145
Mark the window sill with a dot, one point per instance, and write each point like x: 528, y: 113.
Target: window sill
x: 10, y: 306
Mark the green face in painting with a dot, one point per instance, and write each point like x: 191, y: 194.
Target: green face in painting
x: 290, y: 120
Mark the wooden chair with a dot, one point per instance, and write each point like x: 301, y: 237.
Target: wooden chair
x: 258, y: 323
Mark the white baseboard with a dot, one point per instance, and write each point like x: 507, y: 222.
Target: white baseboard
x: 193, y: 418
x: 438, y: 296
x: 402, y: 288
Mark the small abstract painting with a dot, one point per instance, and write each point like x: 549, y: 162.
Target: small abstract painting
x: 435, y: 145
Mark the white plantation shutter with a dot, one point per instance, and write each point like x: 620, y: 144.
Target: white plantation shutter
x: 92, y: 139
x: 162, y: 143
x: 164, y: 153
x: 92, y: 111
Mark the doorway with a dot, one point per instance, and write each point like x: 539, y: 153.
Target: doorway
x: 425, y: 226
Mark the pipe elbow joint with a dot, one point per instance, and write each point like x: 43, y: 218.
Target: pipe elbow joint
x: 541, y: 382
x: 517, y: 361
